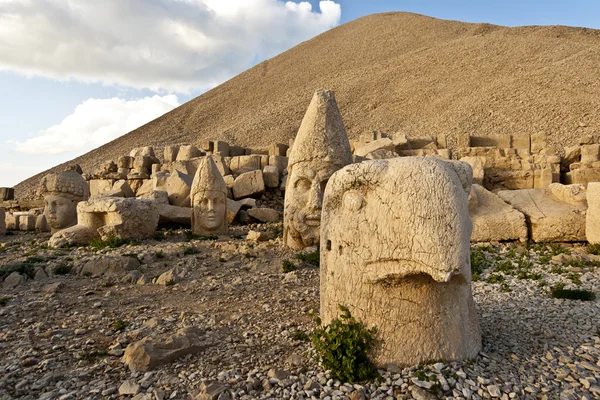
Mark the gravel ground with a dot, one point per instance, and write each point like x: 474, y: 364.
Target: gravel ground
x: 63, y: 337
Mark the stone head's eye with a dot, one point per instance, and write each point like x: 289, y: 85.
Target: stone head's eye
x: 353, y: 201
x: 302, y: 185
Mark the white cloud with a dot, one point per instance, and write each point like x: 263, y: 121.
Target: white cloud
x: 96, y: 122
x: 172, y: 45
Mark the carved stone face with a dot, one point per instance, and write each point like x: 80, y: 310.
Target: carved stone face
x: 395, y: 251
x: 303, y: 202
x: 60, y: 211
x: 210, y: 212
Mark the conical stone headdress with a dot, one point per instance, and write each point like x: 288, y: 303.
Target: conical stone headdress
x: 207, y: 177
x: 67, y: 183
x: 322, y: 136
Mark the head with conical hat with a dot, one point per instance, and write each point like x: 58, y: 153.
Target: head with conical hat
x: 61, y: 194
x: 321, y: 147
x: 209, y: 199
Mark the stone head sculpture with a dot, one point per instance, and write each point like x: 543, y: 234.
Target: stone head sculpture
x: 395, y: 250
x: 61, y: 194
x: 321, y: 147
x: 209, y: 199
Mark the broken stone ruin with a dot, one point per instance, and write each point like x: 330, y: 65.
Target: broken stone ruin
x: 194, y: 270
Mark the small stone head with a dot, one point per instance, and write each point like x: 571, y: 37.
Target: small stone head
x: 209, y: 199
x: 320, y: 148
x: 61, y: 194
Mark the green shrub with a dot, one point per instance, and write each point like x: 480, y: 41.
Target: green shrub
x: 63, y: 269
x: 495, y: 278
x: 556, y: 249
x: 91, y: 355
x: 159, y: 254
x: 288, y: 266
x: 478, y: 263
x: 299, y: 336
x: 3, y: 301
x: 505, y: 287
x: 313, y: 258
x: 558, y: 291
x: 170, y: 282
x: 111, y: 242
x: 119, y: 325
x: 159, y: 235
x: 133, y: 255
x: 342, y: 347
x: 574, y: 277
x: 187, y: 250
x: 594, y: 248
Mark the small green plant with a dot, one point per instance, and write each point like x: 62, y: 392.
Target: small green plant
x: 574, y: 277
x: 342, y: 347
x: 159, y: 235
x: 594, y: 248
x: 108, y: 283
x: 300, y: 336
x: 62, y: 269
x: 159, y: 254
x: 505, y: 287
x: 495, y: 278
x: 288, y: 266
x: 558, y: 291
x: 556, y: 249
x: 187, y: 250
x: 170, y: 282
x: 3, y: 301
x: 542, y: 283
x: 421, y: 375
x: 557, y: 270
x: 111, y: 242
x: 313, y: 258
x: 478, y: 263
x: 221, y: 259
x: 118, y: 325
x: 92, y: 355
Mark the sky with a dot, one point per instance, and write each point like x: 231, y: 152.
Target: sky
x: 75, y: 74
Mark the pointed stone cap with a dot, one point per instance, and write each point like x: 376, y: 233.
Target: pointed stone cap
x: 322, y: 136
x: 67, y: 183
x: 207, y: 177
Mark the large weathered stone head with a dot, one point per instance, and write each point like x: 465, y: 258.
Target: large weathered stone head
x: 209, y: 199
x: 395, y: 250
x: 320, y: 148
x: 61, y: 194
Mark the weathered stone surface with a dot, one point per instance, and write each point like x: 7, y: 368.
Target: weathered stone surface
x: 209, y: 200
x: 125, y: 162
x: 271, y: 176
x: 549, y: 219
x: 12, y: 221
x: 233, y: 207
x: 241, y: 164
x: 129, y: 388
x: 178, y: 187
x: 264, y: 214
x: 256, y: 236
x: 188, y: 152
x: 321, y: 147
x: 7, y: 193
x: 590, y: 153
x: 477, y: 164
x: 172, y: 214
x: 248, y: 184
x: 592, y: 218
x: 151, y: 352
x: 41, y: 224
x: 213, y: 391
x: 105, y: 266
x: 170, y: 277
x: 493, y: 219
x: 376, y: 145
x: 406, y: 270
x: 61, y: 193
x: 27, y: 222
x: 97, y: 186
x: 147, y: 151
x: 110, y: 217
x: 2, y: 221
x: 170, y: 153
x: 123, y: 187
x: 13, y: 281
x: 221, y: 147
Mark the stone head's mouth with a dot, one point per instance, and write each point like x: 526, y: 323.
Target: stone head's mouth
x: 390, y: 270
x: 313, y: 220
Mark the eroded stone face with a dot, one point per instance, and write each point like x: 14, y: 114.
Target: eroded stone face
x: 210, y: 212
x: 60, y: 211
x: 61, y: 194
x: 395, y: 250
x: 303, y: 202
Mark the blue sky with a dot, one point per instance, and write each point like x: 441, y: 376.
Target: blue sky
x: 70, y: 81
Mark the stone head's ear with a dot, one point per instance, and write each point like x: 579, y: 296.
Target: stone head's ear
x: 464, y: 172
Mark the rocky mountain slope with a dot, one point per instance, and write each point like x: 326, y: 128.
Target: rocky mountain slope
x: 397, y: 72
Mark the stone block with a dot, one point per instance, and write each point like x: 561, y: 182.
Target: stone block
x: 187, y: 152
x: 207, y: 145
x: 221, y: 147
x: 477, y: 165
x: 249, y: 184
x: 264, y: 214
x: 499, y: 141
x: 123, y: 187
x: 233, y: 207
x: 278, y: 149
x: 11, y: 221
x: 236, y: 151
x: 381, y: 144
x: 592, y: 218
x: 590, y: 153
x: 27, y: 222
x: 522, y: 141
x: 271, y: 176
x: 170, y: 153
x: 280, y: 162
x: 242, y: 164
x: 538, y: 142
x: 549, y: 219
x: 125, y: 162
x: 2, y: 221
x: 178, y: 187
x: 147, y: 151
x: 97, y: 186
x: 7, y: 193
